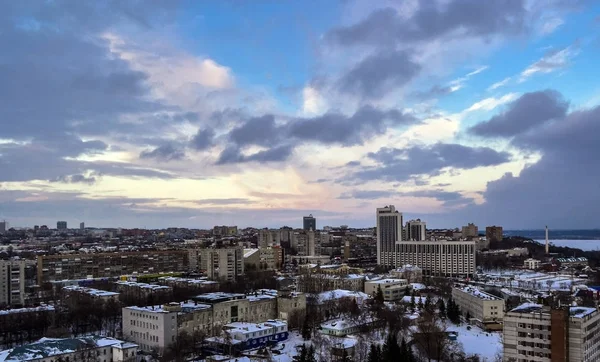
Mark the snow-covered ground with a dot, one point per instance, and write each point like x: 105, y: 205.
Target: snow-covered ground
x: 532, y: 280
x: 476, y: 341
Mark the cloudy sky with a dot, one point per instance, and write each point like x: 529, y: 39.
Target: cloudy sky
x: 164, y: 113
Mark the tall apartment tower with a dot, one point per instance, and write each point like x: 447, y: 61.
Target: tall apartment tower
x: 493, y: 233
x: 81, y: 226
x: 470, y: 231
x: 61, y: 225
x: 2, y: 227
x: 416, y: 230
x: 389, y: 231
x: 309, y: 223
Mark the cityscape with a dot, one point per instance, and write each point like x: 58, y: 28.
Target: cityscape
x: 299, y: 181
x: 335, y: 292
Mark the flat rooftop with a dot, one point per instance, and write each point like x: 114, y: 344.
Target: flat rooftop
x: 574, y: 312
x: 186, y: 307
x: 478, y: 293
x: 90, y: 291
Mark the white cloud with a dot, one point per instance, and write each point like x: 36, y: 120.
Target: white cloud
x: 550, y: 62
x: 550, y: 25
x: 312, y: 101
x: 499, y: 84
x: 491, y: 103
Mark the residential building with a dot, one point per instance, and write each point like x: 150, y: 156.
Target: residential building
x: 470, y: 231
x: 225, y: 263
x: 416, y: 230
x: 389, y: 232
x: 493, y: 233
x: 144, y: 290
x: 451, y: 258
x: 392, y: 289
x: 344, y: 327
x: 532, y: 263
x: 2, y: 227
x: 18, y: 324
x: 412, y: 273
x: 16, y: 278
x: 61, y: 225
x: 290, y: 303
x: 75, y: 292
x: 267, y: 238
x: 81, y: 349
x: 270, y: 258
x: 537, y: 333
x: 82, y: 226
x: 225, y: 230
x: 85, y: 266
x: 200, y: 285
x: 485, y: 310
x: 309, y: 223
x: 304, y: 242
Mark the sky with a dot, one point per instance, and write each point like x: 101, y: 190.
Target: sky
x: 150, y: 113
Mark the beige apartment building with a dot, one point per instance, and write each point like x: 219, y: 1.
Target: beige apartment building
x: 536, y: 333
x: 485, y: 309
x: 85, y: 266
x: 270, y: 258
x: 450, y: 258
x: 392, y: 289
x: 225, y: 263
x: 14, y: 275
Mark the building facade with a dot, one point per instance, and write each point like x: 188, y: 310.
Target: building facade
x: 485, y: 309
x: 470, y: 231
x: 416, y: 230
x: 532, y: 263
x: 16, y: 276
x: 389, y: 232
x: 85, y: 266
x: 61, y: 225
x: 535, y: 333
x: 392, y: 289
x: 493, y: 233
x: 309, y: 223
x: 450, y: 258
x: 220, y: 263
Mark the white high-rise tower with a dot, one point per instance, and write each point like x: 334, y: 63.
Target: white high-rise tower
x: 547, y: 245
x: 389, y: 231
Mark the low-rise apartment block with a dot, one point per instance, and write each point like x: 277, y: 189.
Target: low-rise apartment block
x: 82, y: 266
x: 485, y: 309
x: 244, y: 336
x: 144, y: 290
x: 392, y: 289
x: 412, y: 273
x: 536, y: 333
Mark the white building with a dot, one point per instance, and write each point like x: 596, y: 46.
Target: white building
x: 412, y: 273
x: 416, y: 230
x: 82, y: 349
x: 535, y: 333
x: 451, y: 258
x: 485, y: 309
x: 13, y: 280
x: 392, y: 289
x: 389, y: 232
x: 344, y: 327
x: 244, y: 336
x: 532, y: 263
x: 219, y: 263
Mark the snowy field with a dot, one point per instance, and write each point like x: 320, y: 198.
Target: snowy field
x: 532, y: 280
x: 577, y: 244
x: 476, y: 341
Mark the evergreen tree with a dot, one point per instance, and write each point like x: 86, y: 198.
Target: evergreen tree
x: 468, y: 316
x: 306, y: 330
x: 391, y: 349
x: 310, y: 354
x: 379, y: 296
x: 406, y: 291
x: 374, y: 353
x: 301, y: 357
x: 420, y: 304
x: 412, y: 301
x: 442, y: 308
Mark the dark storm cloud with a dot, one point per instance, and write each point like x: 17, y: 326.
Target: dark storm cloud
x: 525, y: 113
x: 448, y: 198
x: 328, y: 129
x: 75, y: 179
x: 203, y: 139
x: 256, y: 131
x: 335, y: 128
x: 379, y: 73
x: 403, y: 164
x: 433, y: 92
x: 167, y: 152
x: 385, y: 27
x: 233, y: 154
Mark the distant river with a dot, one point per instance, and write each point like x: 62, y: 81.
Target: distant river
x: 577, y: 244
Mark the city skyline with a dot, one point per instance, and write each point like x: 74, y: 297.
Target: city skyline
x: 193, y: 114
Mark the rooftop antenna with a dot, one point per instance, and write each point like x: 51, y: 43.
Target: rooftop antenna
x: 547, y: 245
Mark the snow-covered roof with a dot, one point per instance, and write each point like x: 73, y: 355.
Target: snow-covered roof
x: 143, y: 285
x: 417, y: 286
x: 408, y: 298
x: 574, y: 312
x: 28, y: 310
x: 477, y: 293
x: 580, y: 312
x: 388, y: 281
x: 90, y: 291
x: 188, y: 306
x: 49, y: 347
x: 341, y: 293
x: 249, y: 252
